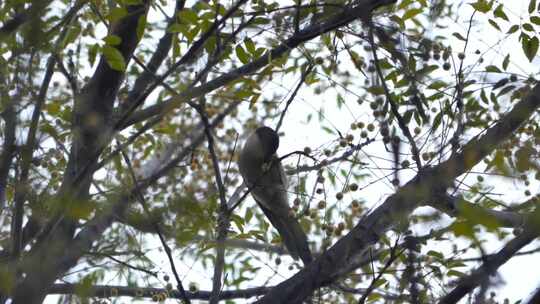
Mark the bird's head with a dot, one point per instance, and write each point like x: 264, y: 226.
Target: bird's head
x: 269, y: 141
x: 262, y: 144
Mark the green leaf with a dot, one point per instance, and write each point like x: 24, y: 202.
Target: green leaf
x: 374, y: 297
x: 132, y: 2
x: 437, y: 255
x: 114, y: 58
x: 458, y: 36
x: 176, y: 28
x: 112, y: 40
x: 462, y: 228
x: 376, y: 90
x: 260, y: 21
x: 411, y: 13
x: 241, y: 54
x: 92, y: 53
x: 53, y: 108
x: 499, y: 13
x: 438, y: 84
x: 513, y: 29
x: 493, y: 69
x: 116, y: 14
x: 250, y: 46
x: 528, y: 27
x: 188, y: 16
x: 437, y: 120
x: 482, y: 6
x: 455, y: 273
x: 506, y: 61
x: 535, y: 20
x: 141, y: 25
x: 530, y: 47
x: 72, y: 34
x: 483, y: 97
x: 477, y: 215
x: 494, y: 24
x: 532, y: 6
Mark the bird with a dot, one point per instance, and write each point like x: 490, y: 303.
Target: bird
x: 263, y: 173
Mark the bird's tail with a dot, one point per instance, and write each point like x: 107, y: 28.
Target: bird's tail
x: 292, y: 234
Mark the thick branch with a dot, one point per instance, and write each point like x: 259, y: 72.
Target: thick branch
x: 110, y: 291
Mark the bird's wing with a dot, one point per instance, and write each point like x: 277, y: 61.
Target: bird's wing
x: 271, y: 189
x: 271, y: 195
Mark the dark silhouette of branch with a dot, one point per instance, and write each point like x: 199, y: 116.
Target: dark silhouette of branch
x: 324, y: 163
x: 482, y: 258
x: 468, y: 283
x: 454, y: 205
x: 8, y: 149
x: 111, y: 291
x: 154, y: 274
x: 534, y: 298
x: 223, y: 212
x: 293, y: 95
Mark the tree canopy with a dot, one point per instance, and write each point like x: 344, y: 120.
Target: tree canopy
x: 409, y: 134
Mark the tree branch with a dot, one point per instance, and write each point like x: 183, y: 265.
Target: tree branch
x: 26, y: 160
x: 360, y: 10
x: 8, y: 150
x: 428, y: 185
x: 111, y: 291
x: 468, y: 283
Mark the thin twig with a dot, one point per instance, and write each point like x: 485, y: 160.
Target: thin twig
x: 328, y: 162
x: 152, y: 273
x: 166, y: 247
x: 9, y: 147
x: 394, y: 254
x: 393, y: 106
x: 223, y: 215
x: 293, y: 95
x: 26, y: 160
